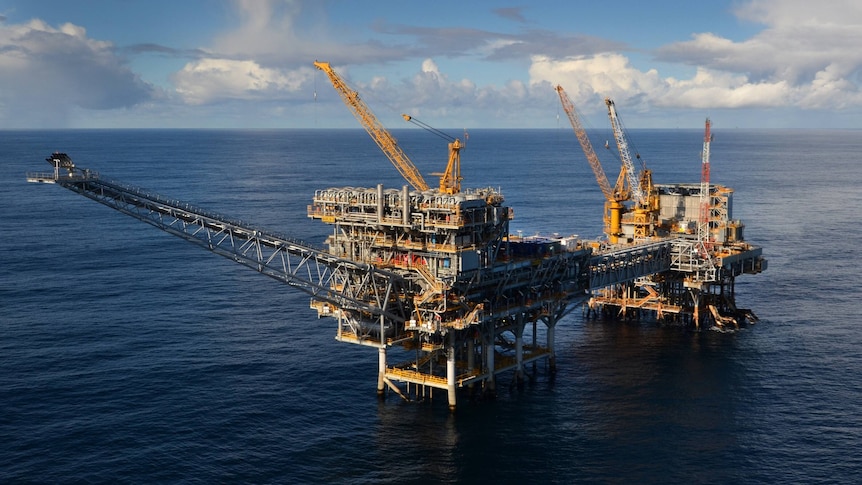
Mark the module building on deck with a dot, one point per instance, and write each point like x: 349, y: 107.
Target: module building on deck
x: 473, y: 288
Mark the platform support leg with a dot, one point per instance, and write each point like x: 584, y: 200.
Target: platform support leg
x: 471, y: 358
x: 519, y: 350
x: 450, y: 372
x: 381, y: 371
x: 488, y: 343
x: 695, y: 297
x: 552, y: 357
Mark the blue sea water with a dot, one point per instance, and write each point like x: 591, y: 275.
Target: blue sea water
x: 128, y: 355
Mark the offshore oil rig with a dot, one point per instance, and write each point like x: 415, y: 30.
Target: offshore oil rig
x: 432, y: 279
x: 692, y: 222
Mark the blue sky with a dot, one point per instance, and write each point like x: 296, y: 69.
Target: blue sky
x: 475, y: 64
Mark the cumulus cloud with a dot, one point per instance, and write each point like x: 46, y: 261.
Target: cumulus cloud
x: 268, y: 55
x: 612, y: 75
x: 266, y: 30
x: 711, y: 89
x: 59, y: 68
x: 260, y: 58
x: 282, y: 32
x: 605, y: 75
x: 213, y: 80
x: 806, y: 56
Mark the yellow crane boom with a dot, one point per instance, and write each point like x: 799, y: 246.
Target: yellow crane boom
x: 614, y: 197
x: 450, y: 180
x: 378, y: 132
x: 586, y: 146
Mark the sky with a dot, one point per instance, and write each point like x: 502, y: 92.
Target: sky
x: 450, y: 64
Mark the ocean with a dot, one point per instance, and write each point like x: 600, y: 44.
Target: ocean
x: 129, y: 355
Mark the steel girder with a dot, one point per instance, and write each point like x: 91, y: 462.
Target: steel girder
x: 629, y: 264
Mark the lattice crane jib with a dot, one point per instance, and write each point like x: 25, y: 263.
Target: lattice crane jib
x: 586, y: 146
x: 614, y: 196
x: 631, y: 175
x: 450, y: 179
x: 378, y: 132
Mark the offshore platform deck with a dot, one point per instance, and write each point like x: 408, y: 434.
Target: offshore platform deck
x: 432, y: 278
x: 435, y: 280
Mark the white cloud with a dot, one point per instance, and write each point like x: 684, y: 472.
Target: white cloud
x: 281, y: 32
x: 784, y: 13
x: 428, y: 65
x: 831, y: 88
x: 606, y: 75
x: 716, y: 89
x: 807, y: 57
x: 51, y: 70
x: 267, y: 56
x: 266, y: 30
x: 212, y: 80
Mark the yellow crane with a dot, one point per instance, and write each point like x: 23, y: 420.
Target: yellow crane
x: 644, y: 195
x: 625, y: 157
x: 450, y: 180
x: 372, y: 125
x: 614, y: 197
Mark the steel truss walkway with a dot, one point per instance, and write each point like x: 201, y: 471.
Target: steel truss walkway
x: 629, y: 263
x: 344, y: 283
